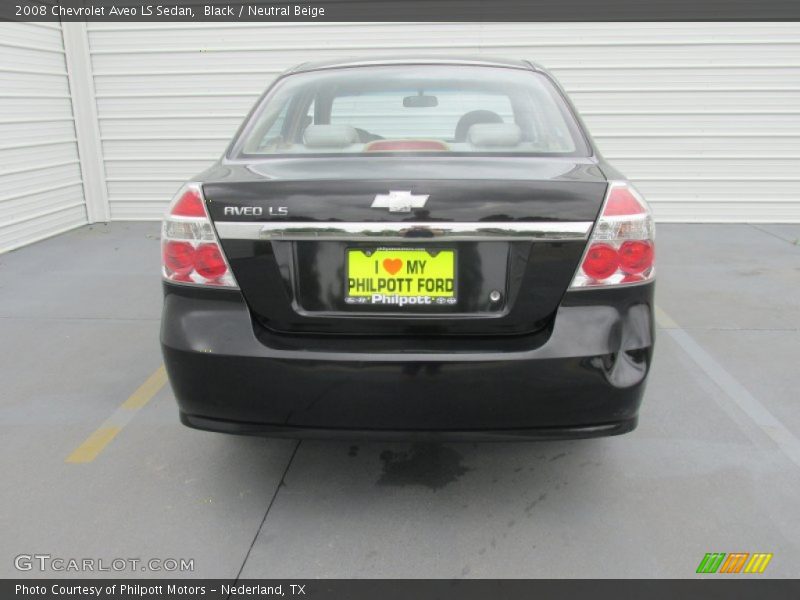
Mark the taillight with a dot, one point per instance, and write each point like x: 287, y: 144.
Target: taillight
x: 601, y: 261
x: 636, y: 257
x: 621, y: 250
x: 178, y: 257
x: 208, y: 262
x: 190, y: 251
x: 189, y: 204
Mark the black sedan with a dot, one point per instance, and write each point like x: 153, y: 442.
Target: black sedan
x: 410, y: 248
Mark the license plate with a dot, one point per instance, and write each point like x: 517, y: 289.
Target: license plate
x: 401, y: 276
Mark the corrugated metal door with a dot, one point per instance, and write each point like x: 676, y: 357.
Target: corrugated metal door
x: 705, y: 117
x: 41, y: 192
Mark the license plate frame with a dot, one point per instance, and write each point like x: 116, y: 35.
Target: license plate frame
x: 416, y: 295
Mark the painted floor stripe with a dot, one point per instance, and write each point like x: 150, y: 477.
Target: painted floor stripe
x: 93, y: 445
x: 147, y: 390
x: 749, y: 404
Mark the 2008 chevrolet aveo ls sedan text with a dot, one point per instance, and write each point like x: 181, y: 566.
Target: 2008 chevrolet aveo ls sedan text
x: 426, y: 247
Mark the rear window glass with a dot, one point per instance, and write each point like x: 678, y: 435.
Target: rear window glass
x: 383, y: 113
x: 413, y: 109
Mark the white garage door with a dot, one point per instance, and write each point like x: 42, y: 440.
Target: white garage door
x: 40, y: 177
x: 704, y: 117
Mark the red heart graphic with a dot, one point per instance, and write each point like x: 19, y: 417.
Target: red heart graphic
x: 392, y: 265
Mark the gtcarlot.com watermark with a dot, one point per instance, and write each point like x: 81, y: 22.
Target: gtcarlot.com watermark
x: 47, y: 563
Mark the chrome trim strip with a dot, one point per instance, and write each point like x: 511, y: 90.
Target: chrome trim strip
x: 403, y: 231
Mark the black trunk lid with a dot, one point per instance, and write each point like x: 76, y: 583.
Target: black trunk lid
x: 301, y: 286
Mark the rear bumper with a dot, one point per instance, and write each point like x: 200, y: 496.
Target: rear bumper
x: 584, y: 377
x: 472, y: 435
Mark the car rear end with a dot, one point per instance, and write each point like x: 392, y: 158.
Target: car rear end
x: 349, y: 270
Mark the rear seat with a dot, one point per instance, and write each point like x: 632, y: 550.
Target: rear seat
x: 494, y: 135
x: 487, y: 136
x: 330, y: 136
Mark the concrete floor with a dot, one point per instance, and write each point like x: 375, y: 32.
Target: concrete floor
x: 713, y: 466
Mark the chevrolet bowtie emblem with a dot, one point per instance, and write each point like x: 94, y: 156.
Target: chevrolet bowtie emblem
x: 399, y: 201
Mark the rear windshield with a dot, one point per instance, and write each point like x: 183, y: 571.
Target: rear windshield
x: 413, y: 109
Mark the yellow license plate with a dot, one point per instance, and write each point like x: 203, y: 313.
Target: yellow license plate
x: 401, y: 276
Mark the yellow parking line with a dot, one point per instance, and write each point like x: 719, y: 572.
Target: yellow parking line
x: 147, y: 390
x: 93, y: 445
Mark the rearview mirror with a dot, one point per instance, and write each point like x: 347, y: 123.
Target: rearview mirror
x: 420, y: 101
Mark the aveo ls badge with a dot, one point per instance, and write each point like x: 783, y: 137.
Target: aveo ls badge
x: 255, y: 211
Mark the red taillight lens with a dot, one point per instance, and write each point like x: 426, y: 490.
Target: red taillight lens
x: 178, y: 257
x: 635, y: 256
x: 622, y: 202
x: 190, y: 204
x: 208, y: 261
x: 601, y: 261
